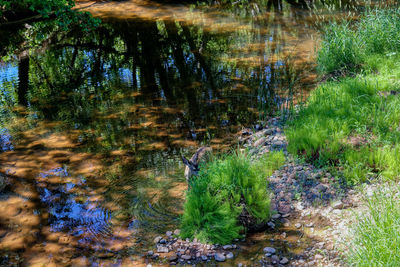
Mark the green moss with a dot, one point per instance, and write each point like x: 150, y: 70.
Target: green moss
x: 224, y: 188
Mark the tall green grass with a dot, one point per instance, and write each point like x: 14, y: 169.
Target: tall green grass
x: 346, y: 47
x: 220, y: 193
x: 376, y: 236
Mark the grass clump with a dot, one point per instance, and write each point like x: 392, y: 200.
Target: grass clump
x: 346, y: 48
x: 225, y: 190
x: 376, y: 239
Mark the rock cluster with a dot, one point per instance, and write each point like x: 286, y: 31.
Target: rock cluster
x: 178, y: 251
x: 264, y: 138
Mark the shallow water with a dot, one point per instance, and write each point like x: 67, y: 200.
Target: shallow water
x: 93, y: 123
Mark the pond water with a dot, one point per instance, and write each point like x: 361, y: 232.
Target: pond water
x: 93, y: 122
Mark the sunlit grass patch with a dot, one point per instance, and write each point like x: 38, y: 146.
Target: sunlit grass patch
x: 376, y: 238
x: 226, y: 188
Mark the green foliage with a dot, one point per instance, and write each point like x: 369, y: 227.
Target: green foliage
x: 354, y: 123
x: 340, y: 50
x: 350, y: 124
x: 223, y: 188
x: 376, y: 238
x: 345, y: 48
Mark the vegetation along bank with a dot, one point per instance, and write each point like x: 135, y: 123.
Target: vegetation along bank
x: 349, y: 131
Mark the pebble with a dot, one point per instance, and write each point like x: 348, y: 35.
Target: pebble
x: 229, y: 255
x: 260, y: 142
x: 150, y: 253
x: 157, y: 239
x: 318, y: 257
x: 204, y: 258
x: 284, y: 260
x: 274, y: 259
x: 269, y: 250
x: 169, y: 233
x: 297, y: 225
x: 219, y: 257
x: 186, y: 257
x: 337, y: 205
x: 227, y: 247
x: 177, y: 232
x: 276, y: 216
x: 173, y: 257
x: 161, y: 249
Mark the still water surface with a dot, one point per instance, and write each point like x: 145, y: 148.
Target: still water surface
x: 93, y: 123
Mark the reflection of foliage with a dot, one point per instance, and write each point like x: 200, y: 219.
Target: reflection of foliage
x: 43, y: 7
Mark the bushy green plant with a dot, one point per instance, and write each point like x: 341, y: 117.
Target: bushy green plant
x: 376, y: 239
x: 223, y: 190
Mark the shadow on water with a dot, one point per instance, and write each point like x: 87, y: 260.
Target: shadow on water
x: 93, y: 122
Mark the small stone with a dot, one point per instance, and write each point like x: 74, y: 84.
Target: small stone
x: 271, y: 224
x: 274, y: 259
x: 198, y: 255
x: 297, y: 225
x: 173, y: 257
x: 204, y: 258
x: 260, y: 142
x: 157, y: 239
x: 337, y: 205
x: 269, y: 250
x: 283, y: 235
x: 177, y: 232
x: 276, y: 216
x: 240, y: 265
x: 229, y: 255
x: 310, y: 225
x: 169, y: 233
x: 227, y: 247
x: 150, y: 253
x: 219, y: 257
x: 318, y: 257
x: 186, y: 257
x: 161, y: 249
x: 163, y: 241
x: 285, y: 215
x: 284, y: 260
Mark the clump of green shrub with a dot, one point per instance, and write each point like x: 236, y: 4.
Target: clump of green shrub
x: 346, y: 48
x: 226, y: 189
x: 376, y: 239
